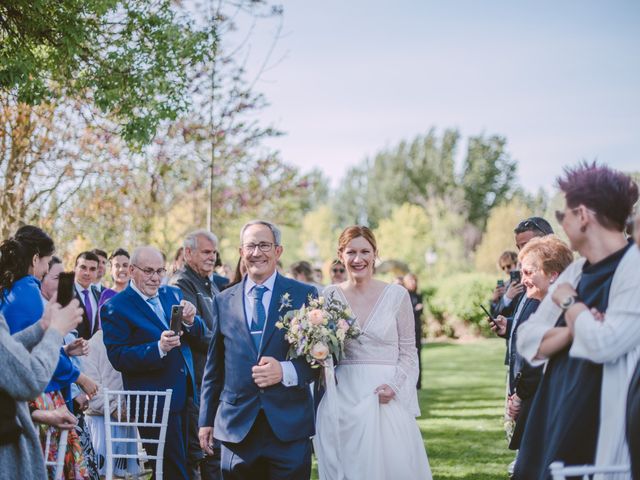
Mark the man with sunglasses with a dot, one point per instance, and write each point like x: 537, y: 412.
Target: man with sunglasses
x: 338, y: 272
x: 141, y: 345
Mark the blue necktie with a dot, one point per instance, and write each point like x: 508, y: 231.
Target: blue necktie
x: 259, y: 316
x: 154, y: 303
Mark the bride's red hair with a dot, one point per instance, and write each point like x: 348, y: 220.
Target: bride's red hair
x: 355, y: 231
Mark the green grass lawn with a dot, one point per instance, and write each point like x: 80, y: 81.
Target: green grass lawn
x: 462, y: 406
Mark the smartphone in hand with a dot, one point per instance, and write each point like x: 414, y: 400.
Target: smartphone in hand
x: 514, y: 275
x: 176, y: 319
x: 491, y: 318
x: 65, y: 288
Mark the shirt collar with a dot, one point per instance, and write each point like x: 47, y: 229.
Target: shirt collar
x: 269, y: 283
x: 135, y: 289
x: 81, y: 289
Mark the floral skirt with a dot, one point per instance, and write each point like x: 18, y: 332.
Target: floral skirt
x: 77, y: 465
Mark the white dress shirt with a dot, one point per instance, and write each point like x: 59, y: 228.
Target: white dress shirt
x: 289, y: 374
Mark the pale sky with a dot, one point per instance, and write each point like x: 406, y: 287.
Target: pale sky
x: 559, y: 79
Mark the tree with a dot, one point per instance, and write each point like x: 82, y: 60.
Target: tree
x: 47, y: 153
x: 498, y: 236
x: 488, y: 177
x: 130, y: 57
x: 419, y: 171
x: 429, y: 240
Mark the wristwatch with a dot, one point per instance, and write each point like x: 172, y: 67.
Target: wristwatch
x: 568, y: 302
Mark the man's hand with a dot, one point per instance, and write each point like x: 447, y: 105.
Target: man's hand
x: 61, y: 417
x: 513, y: 406
x: 499, y: 326
x: 77, y: 348
x: 205, y: 435
x: 562, y: 292
x: 498, y: 292
x: 268, y: 372
x: 87, y: 385
x: 513, y: 290
x: 169, y: 340
x: 188, y: 312
x: 385, y: 393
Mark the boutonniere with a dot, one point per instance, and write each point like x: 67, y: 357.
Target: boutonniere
x: 285, y: 302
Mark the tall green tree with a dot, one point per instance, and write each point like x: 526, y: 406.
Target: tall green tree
x: 424, y: 169
x: 129, y: 57
x: 488, y: 177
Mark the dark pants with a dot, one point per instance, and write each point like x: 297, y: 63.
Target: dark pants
x: 262, y: 456
x: 174, y: 466
x: 200, y: 466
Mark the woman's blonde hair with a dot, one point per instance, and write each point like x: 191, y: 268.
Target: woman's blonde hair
x: 549, y: 253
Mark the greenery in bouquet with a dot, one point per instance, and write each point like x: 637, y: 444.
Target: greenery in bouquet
x: 318, y: 330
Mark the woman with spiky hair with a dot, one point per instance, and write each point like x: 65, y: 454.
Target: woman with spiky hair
x: 587, y: 331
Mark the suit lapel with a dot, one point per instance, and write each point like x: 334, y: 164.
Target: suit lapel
x: 144, y: 308
x: 273, y: 314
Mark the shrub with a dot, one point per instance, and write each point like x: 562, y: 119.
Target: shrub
x: 454, y: 304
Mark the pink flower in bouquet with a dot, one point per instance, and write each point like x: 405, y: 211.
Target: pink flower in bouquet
x: 319, y: 351
x: 316, y: 317
x: 343, y: 325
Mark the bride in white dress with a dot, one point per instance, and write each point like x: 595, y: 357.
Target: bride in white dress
x: 368, y: 431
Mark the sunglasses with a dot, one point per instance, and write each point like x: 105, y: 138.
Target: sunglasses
x: 338, y: 270
x: 530, y: 222
x: 507, y: 268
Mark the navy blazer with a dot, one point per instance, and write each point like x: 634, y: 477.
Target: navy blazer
x: 131, y: 333
x: 230, y: 399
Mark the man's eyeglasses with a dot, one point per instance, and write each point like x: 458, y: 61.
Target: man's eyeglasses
x: 338, y: 270
x: 262, y: 246
x: 530, y: 222
x: 148, y: 272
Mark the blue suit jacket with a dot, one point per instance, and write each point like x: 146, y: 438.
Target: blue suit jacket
x: 229, y: 394
x: 131, y: 333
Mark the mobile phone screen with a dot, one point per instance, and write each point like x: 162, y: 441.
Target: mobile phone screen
x: 176, y: 318
x: 65, y: 288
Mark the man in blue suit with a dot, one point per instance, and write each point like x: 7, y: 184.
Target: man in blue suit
x: 253, y: 400
x: 150, y: 356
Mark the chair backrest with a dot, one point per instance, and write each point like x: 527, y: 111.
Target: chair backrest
x: 58, y: 461
x: 136, y: 408
x: 560, y: 472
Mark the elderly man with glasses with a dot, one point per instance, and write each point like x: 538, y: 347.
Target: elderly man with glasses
x: 141, y: 345
x: 195, y: 280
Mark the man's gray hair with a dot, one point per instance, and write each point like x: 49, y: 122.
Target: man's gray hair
x: 277, y: 235
x: 191, y: 240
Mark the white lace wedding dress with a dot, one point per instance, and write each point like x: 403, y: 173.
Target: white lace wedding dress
x: 357, y: 437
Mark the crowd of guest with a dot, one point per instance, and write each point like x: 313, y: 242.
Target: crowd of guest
x: 572, y: 331
x: 572, y: 328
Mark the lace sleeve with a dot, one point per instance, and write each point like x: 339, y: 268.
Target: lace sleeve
x: 407, y: 366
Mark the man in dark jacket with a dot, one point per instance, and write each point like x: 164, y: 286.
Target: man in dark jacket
x: 195, y: 280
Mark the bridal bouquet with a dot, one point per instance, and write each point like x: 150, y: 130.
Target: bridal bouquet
x: 317, y: 331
